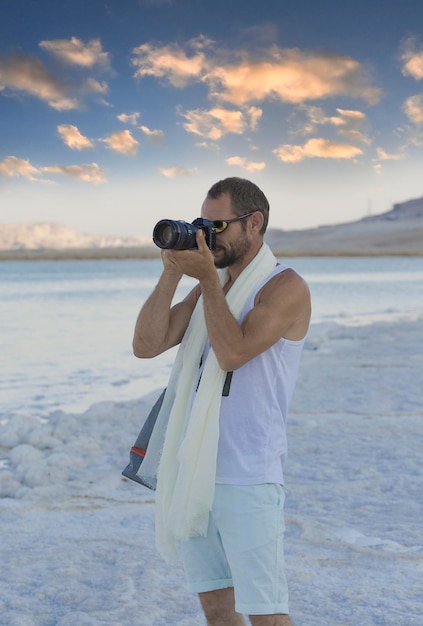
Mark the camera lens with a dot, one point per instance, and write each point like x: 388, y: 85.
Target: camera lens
x: 180, y: 235
x: 165, y: 235
x: 174, y: 235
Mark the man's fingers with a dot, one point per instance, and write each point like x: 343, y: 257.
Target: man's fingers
x: 200, y: 239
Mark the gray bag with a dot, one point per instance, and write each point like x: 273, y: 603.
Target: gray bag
x: 139, y: 449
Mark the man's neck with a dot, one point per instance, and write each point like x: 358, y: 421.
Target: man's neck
x: 237, y: 268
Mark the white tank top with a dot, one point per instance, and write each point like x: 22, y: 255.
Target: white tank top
x: 252, y: 441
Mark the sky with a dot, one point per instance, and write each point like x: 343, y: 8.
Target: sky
x: 117, y: 113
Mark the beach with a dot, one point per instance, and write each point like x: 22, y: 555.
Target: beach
x: 78, y: 538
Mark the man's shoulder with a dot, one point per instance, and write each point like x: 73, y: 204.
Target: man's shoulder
x: 285, y: 278
x: 286, y: 285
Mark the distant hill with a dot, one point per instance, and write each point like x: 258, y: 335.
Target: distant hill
x: 51, y: 236
x: 51, y: 240
x: 397, y: 232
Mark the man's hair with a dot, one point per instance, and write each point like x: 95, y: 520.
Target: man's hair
x: 245, y: 196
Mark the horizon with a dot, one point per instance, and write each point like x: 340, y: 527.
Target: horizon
x: 114, y: 117
x: 117, y: 235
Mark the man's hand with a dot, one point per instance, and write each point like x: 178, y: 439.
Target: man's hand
x: 170, y: 264
x: 197, y: 263
x: 160, y: 325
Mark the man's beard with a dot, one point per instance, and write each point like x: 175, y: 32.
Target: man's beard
x: 235, y: 253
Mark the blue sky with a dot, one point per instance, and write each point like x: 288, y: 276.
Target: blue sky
x: 117, y: 113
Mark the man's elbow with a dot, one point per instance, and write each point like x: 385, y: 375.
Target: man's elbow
x: 142, y: 351
x: 231, y: 362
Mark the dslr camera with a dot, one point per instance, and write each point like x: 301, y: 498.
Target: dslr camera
x: 180, y: 235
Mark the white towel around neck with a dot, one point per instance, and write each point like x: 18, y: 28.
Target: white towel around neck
x: 187, y: 458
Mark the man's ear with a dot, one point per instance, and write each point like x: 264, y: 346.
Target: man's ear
x: 257, y: 220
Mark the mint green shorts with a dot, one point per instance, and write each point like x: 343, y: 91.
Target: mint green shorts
x: 243, y: 549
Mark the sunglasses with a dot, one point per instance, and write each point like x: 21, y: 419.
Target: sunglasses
x: 221, y: 225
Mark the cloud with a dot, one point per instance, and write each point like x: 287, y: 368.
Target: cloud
x: 413, y: 108
x: 75, y: 52
x: 245, y: 164
x: 412, y: 59
x: 213, y: 123
x: 91, y: 85
x: 317, y: 117
x: 172, y: 62
x: 123, y: 142
x: 355, y: 135
x: 12, y: 166
x: 209, y: 145
x: 129, y: 118
x: 73, y: 138
x: 318, y: 147
x: 348, y: 123
x: 354, y: 117
x: 89, y: 172
x: 288, y: 75
x: 413, y: 136
x: 178, y: 170
x: 155, y: 135
x: 24, y: 73
x: 254, y: 113
x: 291, y: 76
x: 216, y: 122
x: 385, y: 156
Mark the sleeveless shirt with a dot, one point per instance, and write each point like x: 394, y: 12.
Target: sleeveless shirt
x: 252, y: 446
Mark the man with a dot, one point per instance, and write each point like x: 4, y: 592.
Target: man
x: 235, y: 561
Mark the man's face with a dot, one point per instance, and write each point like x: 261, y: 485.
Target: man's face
x: 233, y: 243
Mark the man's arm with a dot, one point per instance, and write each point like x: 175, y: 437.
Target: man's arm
x: 160, y: 326
x: 282, y: 309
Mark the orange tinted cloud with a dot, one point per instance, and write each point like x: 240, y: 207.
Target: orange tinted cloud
x: 12, y: 166
x: 177, y: 170
x: 73, y: 138
x: 128, y: 118
x: 123, y: 142
x: 172, y: 62
x: 245, y: 164
x: 216, y: 122
x: 88, y: 172
x: 316, y: 148
x: 413, y: 108
x: 24, y: 73
x: 385, y: 156
x: 412, y: 58
x: 154, y: 135
x: 289, y: 75
x: 75, y: 52
x: 348, y: 122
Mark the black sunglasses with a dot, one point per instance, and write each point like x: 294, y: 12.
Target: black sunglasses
x: 221, y: 225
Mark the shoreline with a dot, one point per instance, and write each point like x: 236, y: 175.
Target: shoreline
x: 108, y: 254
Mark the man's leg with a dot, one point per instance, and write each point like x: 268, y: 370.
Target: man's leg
x: 219, y: 608
x: 270, y: 620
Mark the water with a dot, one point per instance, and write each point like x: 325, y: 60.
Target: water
x: 66, y: 326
